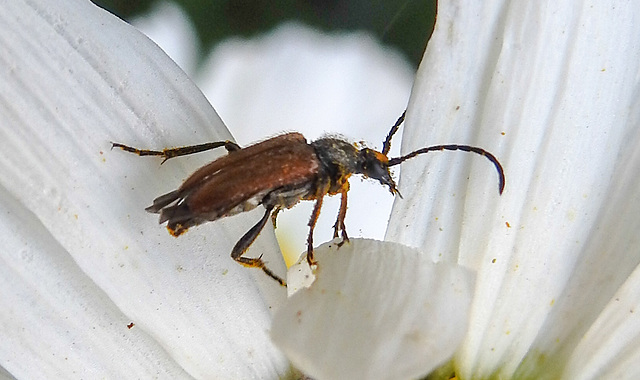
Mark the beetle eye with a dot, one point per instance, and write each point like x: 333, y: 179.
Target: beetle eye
x: 370, y: 165
x: 377, y: 171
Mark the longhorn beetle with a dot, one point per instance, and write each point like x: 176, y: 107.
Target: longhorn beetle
x: 278, y: 173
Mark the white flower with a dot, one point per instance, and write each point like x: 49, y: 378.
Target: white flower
x: 552, y: 90
x: 90, y: 286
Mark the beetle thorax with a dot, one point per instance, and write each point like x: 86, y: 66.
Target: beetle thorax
x: 339, y: 158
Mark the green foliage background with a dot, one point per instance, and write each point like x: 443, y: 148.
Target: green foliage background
x: 406, y: 24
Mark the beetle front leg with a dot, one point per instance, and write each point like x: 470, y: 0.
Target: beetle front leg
x: 339, y: 226
x: 243, y: 245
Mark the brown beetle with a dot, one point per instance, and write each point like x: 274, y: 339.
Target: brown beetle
x: 278, y: 173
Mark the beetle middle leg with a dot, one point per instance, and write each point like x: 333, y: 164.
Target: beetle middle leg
x: 243, y: 245
x: 168, y: 153
x: 274, y: 216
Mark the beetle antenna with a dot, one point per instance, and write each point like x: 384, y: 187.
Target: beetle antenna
x: 387, y: 142
x: 465, y: 148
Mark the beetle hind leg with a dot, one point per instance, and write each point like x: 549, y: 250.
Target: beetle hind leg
x: 243, y: 245
x: 230, y: 146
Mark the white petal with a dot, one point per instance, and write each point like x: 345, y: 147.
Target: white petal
x: 376, y: 311
x: 551, y: 89
x: 56, y: 321
x: 610, y: 348
x: 74, y: 79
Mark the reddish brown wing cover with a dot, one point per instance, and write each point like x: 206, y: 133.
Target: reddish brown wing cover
x: 285, y: 160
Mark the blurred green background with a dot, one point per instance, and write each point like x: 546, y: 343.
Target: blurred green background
x: 405, y: 25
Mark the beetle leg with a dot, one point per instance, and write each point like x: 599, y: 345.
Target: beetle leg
x: 230, y: 146
x: 341, y: 215
x: 274, y: 216
x: 312, y: 224
x: 243, y: 245
x: 319, y: 196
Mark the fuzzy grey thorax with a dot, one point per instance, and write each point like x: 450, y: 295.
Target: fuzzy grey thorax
x: 336, y: 156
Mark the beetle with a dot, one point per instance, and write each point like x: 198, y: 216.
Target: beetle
x: 278, y: 173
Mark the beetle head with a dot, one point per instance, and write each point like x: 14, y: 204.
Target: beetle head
x: 373, y: 164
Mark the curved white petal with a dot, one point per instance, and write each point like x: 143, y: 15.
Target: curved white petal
x: 81, y: 258
x: 377, y: 310
x: 551, y: 89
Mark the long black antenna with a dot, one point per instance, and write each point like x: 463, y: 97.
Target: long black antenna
x: 465, y: 148
x: 387, y: 142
